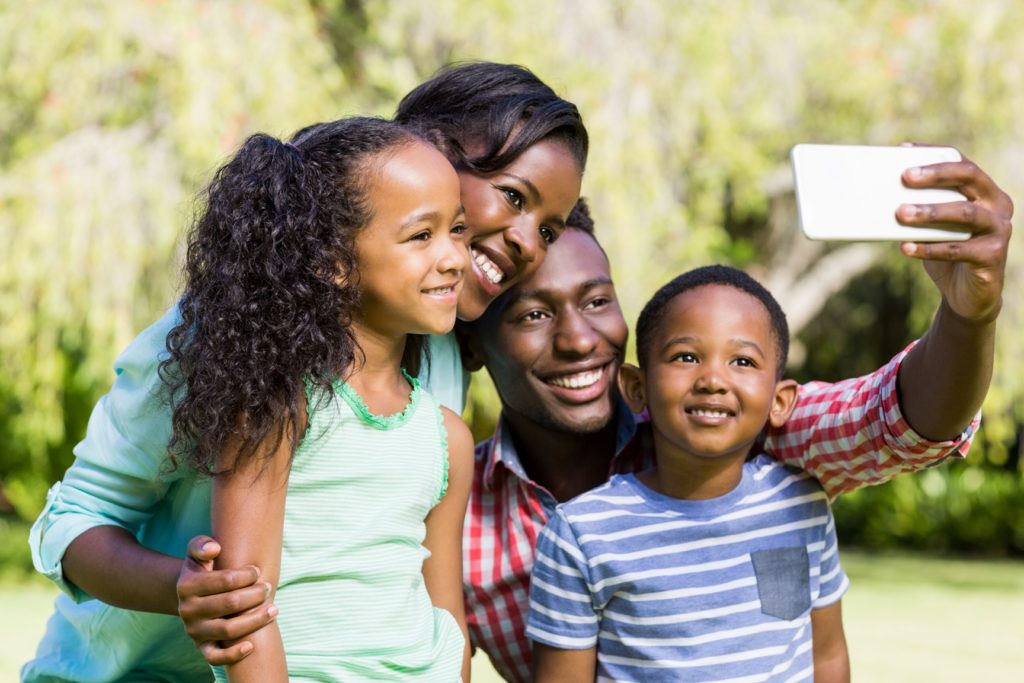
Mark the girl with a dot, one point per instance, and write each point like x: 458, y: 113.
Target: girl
x: 313, y: 265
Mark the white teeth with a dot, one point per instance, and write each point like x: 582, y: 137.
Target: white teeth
x: 709, y: 413
x: 580, y: 380
x: 489, y: 268
x: 440, y: 290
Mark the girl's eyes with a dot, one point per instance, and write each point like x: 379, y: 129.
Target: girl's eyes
x: 685, y: 357
x: 547, y: 234
x: 744, y: 362
x: 459, y: 229
x: 421, y: 236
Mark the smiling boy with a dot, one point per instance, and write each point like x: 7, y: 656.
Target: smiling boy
x: 711, y: 565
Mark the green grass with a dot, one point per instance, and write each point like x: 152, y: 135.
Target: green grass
x: 908, y: 619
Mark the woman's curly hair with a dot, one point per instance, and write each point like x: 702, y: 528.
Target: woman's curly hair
x: 271, y: 288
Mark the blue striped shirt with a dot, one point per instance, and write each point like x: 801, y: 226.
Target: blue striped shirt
x: 670, y: 589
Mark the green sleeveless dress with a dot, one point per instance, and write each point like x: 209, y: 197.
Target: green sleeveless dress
x: 353, y: 603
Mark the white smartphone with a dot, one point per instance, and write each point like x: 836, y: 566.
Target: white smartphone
x: 851, y: 192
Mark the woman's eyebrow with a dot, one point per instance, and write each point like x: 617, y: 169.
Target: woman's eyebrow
x: 531, y: 188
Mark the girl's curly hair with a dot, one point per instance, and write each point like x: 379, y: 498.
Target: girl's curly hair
x: 271, y: 288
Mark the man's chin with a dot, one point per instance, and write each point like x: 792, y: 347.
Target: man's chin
x: 577, y: 425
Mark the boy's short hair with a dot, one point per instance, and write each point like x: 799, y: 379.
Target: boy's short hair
x: 650, y: 318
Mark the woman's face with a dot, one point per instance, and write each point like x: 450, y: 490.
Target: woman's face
x: 512, y: 216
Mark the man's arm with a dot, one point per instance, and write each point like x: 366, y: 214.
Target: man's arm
x: 831, y: 658
x: 944, y: 379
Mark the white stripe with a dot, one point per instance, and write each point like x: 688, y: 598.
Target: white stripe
x: 688, y: 592
x: 672, y: 571
x: 693, y: 663
x: 706, y: 543
x: 738, y: 608
x: 562, y: 616
x: 565, y: 642
x: 555, y: 590
x: 564, y: 569
x: 689, y: 641
x: 635, y: 531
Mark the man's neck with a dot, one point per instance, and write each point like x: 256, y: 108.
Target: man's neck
x: 563, y: 463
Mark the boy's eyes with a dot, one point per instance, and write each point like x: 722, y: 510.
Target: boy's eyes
x: 688, y: 357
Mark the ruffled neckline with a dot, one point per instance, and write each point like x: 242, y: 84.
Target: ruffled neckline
x: 359, y: 407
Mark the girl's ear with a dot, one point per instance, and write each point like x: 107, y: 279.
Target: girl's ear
x: 631, y: 387
x: 783, y: 402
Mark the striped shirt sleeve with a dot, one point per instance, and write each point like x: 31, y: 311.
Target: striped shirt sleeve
x: 562, y: 613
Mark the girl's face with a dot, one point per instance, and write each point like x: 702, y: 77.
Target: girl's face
x: 412, y: 256
x: 512, y: 216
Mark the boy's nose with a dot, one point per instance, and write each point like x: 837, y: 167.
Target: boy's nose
x: 710, y: 380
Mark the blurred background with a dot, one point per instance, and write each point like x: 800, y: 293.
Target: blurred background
x: 114, y: 113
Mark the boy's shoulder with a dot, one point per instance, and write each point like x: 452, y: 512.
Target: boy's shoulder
x: 769, y: 476
x: 617, y: 492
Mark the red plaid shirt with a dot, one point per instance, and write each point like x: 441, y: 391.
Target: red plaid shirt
x: 848, y: 434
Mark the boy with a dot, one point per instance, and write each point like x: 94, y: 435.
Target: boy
x: 711, y: 566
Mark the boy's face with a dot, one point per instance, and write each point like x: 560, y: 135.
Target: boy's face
x: 710, y: 379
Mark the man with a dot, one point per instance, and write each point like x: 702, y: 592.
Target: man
x: 553, y: 345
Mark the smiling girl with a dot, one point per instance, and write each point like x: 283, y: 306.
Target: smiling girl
x: 313, y: 263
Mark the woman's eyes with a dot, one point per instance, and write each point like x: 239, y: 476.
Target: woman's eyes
x: 459, y: 228
x: 514, y: 198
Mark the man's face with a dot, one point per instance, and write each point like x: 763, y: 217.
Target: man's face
x: 554, y: 342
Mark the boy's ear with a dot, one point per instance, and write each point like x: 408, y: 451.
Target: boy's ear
x: 631, y: 387
x: 783, y: 402
x: 469, y: 346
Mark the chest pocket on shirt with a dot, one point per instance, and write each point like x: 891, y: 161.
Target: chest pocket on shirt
x: 783, y: 581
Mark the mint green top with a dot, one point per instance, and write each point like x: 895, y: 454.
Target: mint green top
x: 119, y: 478
x: 354, y: 606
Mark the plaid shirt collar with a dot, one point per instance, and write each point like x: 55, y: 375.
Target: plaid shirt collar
x: 502, y: 456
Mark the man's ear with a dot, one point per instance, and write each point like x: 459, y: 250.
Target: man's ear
x: 783, y: 402
x: 631, y: 387
x: 469, y: 345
